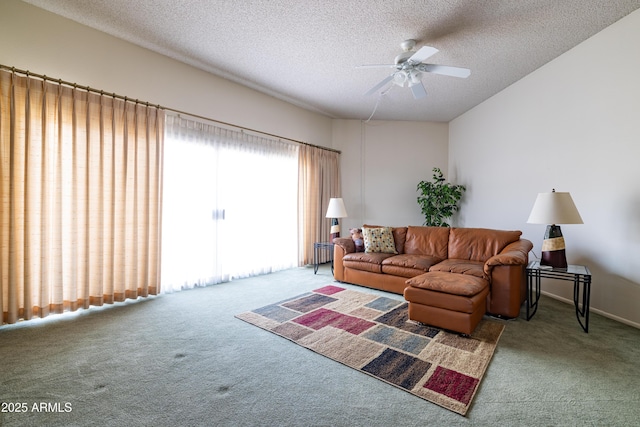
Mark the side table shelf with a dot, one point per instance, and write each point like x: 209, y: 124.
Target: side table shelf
x: 317, y: 247
x: 578, y: 274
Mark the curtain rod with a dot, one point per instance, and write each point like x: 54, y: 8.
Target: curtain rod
x: 173, y: 110
x: 127, y: 99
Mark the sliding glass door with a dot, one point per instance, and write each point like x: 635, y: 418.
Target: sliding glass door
x: 229, y: 205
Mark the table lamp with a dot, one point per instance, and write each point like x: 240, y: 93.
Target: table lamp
x: 334, y: 211
x: 552, y: 209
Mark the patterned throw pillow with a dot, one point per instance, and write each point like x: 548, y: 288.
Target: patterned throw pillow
x: 379, y: 240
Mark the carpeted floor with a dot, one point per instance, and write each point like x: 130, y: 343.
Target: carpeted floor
x: 373, y: 334
x: 184, y: 360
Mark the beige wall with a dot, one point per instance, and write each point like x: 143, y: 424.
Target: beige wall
x: 381, y: 165
x: 572, y: 125
x: 35, y: 40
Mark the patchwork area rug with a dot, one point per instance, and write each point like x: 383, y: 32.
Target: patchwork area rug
x: 373, y: 334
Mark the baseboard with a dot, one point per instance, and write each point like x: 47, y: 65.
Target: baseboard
x: 595, y: 310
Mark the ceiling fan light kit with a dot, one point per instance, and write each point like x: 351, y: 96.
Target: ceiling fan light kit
x: 410, y: 68
x: 414, y: 77
x: 399, y: 78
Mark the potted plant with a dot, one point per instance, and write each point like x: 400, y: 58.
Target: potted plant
x: 438, y: 199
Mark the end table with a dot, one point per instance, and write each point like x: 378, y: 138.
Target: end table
x: 578, y: 274
x: 317, y: 247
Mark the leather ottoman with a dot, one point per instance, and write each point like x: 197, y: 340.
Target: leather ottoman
x: 450, y: 301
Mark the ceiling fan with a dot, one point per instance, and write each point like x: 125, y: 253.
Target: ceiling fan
x: 409, y: 67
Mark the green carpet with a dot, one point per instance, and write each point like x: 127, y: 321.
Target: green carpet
x: 184, y: 359
x: 374, y: 335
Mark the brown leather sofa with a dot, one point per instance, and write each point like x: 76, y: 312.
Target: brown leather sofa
x: 452, y: 276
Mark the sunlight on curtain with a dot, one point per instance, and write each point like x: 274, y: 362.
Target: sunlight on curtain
x: 80, y: 186
x: 318, y: 180
x: 229, y: 205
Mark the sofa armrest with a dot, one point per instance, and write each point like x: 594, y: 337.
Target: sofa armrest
x: 506, y: 272
x: 347, y: 244
x: 507, y: 290
x: 341, y: 247
x: 516, y: 253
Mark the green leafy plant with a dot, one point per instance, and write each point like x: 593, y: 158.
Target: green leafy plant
x: 438, y: 199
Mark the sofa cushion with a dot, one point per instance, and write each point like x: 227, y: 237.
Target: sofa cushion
x: 379, y: 240
x: 431, y: 241
x: 365, y: 261
x: 399, y: 236
x: 479, y: 244
x: 461, y: 266
x: 406, y: 265
x: 450, y: 283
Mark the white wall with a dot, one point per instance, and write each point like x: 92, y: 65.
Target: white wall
x: 43, y: 43
x: 381, y: 165
x: 572, y: 125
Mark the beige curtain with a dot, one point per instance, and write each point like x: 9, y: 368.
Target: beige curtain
x: 80, y: 186
x: 318, y: 181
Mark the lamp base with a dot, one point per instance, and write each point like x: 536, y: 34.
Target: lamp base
x: 553, y: 249
x: 335, y: 229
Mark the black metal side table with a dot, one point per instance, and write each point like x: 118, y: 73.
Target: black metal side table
x: 317, y: 247
x: 578, y: 274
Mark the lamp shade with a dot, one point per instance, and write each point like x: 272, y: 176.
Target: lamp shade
x: 336, y: 209
x: 554, y: 208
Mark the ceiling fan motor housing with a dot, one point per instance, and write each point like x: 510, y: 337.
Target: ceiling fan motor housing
x: 408, y: 45
x: 407, y: 51
x: 402, y: 58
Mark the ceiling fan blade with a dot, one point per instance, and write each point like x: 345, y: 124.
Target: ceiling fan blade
x: 423, y: 53
x: 377, y: 66
x: 379, y: 85
x: 418, y: 90
x: 445, y: 70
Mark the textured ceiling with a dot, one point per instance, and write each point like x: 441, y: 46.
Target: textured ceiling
x: 306, y: 51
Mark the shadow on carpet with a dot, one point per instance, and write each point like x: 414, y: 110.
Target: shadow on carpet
x: 373, y: 334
